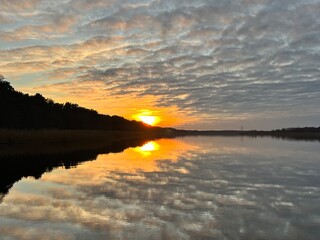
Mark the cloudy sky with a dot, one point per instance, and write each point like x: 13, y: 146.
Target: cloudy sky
x: 206, y: 64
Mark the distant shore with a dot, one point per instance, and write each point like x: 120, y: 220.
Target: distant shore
x: 283, y: 134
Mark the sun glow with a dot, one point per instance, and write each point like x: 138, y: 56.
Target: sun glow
x: 147, y: 117
x: 147, y: 148
x: 150, y: 120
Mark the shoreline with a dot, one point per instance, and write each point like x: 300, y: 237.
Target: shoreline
x: 58, y: 136
x: 14, y: 142
x: 247, y: 133
x: 12, y: 137
x: 31, y: 142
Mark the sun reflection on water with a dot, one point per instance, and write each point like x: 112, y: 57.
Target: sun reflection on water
x: 145, y: 158
x: 148, y: 148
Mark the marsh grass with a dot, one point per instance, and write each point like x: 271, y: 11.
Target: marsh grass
x: 17, y: 142
x: 10, y: 137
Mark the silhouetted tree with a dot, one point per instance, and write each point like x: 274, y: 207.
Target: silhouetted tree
x: 5, y: 85
x: 21, y: 111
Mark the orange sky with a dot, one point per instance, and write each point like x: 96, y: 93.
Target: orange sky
x: 94, y: 95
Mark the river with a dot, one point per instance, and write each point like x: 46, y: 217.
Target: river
x: 185, y: 188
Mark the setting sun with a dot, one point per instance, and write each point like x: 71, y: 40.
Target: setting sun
x: 147, y: 117
x: 150, y: 120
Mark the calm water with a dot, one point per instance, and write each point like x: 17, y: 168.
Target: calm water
x: 190, y: 188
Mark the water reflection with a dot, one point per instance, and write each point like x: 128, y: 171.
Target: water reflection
x: 148, y: 148
x: 192, y: 188
x: 19, y: 162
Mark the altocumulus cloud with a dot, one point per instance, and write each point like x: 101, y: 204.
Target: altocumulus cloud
x: 245, y: 60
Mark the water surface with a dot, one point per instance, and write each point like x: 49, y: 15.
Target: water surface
x: 188, y: 188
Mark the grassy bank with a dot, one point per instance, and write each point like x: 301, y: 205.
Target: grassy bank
x: 10, y: 137
x: 55, y: 141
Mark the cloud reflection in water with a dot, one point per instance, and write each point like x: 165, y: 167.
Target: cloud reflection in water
x: 194, y: 188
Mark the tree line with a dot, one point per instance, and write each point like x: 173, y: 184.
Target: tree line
x: 24, y: 111
x: 297, y: 130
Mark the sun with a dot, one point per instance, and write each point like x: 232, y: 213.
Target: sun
x: 149, y: 117
x: 150, y: 120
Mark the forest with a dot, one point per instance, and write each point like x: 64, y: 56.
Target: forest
x: 24, y: 111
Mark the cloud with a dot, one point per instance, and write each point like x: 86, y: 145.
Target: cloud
x: 4, y: 19
x: 20, y: 61
x: 213, y: 59
x: 58, y: 25
x: 18, y: 6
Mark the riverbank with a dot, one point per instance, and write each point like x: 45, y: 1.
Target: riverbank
x: 14, y: 137
x: 14, y: 142
x: 22, y: 142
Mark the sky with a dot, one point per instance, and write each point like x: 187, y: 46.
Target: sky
x: 196, y: 64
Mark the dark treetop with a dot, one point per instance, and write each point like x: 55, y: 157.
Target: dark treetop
x: 22, y: 111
